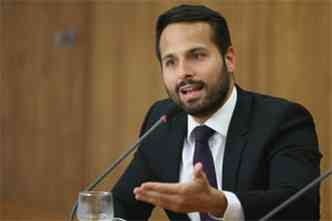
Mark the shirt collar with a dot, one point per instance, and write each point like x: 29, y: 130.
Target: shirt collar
x: 220, y: 120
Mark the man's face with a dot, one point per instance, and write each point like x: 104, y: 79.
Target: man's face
x: 193, y: 69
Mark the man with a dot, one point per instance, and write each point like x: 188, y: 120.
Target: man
x: 258, y: 152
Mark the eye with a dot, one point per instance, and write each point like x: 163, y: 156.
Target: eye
x: 169, y: 62
x: 199, y: 55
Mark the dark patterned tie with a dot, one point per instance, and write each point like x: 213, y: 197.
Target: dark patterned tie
x: 203, y: 154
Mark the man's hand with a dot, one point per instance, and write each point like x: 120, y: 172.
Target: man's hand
x: 194, y: 196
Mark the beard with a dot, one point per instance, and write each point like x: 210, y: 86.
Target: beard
x: 215, y: 97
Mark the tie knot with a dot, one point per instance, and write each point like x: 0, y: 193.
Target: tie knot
x: 203, y: 133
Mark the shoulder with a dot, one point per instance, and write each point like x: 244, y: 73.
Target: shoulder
x: 159, y: 108
x: 156, y: 111
x: 270, y: 106
x: 279, y: 121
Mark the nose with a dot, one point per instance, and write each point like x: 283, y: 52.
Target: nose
x: 184, y: 70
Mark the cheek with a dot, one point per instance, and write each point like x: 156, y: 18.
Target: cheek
x: 210, y: 76
x: 169, y: 81
x: 214, y: 73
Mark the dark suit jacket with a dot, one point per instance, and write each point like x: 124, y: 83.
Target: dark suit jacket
x: 271, y: 152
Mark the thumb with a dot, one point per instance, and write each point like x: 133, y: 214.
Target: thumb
x: 198, y: 173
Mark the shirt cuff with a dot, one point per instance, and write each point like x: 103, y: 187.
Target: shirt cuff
x: 234, y: 210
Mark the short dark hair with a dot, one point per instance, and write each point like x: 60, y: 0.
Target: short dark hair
x: 195, y: 13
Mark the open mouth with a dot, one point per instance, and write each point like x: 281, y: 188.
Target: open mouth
x: 191, y: 88
x: 191, y: 91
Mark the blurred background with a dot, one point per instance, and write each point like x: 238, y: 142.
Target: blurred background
x: 77, y: 76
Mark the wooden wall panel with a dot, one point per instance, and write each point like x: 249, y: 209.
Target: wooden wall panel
x: 45, y: 127
x: 2, y: 116
x: 66, y: 113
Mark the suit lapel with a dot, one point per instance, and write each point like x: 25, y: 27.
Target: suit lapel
x: 172, y: 154
x: 236, y: 140
x: 173, y: 145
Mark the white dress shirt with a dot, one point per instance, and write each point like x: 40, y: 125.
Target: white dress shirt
x: 219, y: 122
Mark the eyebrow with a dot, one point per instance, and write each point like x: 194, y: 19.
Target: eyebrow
x: 167, y: 56
x: 197, y: 49
x: 190, y: 51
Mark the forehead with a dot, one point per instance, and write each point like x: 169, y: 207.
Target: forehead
x: 181, y: 37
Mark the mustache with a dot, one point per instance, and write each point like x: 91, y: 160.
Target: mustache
x: 188, y: 81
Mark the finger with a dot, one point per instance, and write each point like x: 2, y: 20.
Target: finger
x: 156, y: 198
x: 165, y: 188
x: 137, y: 190
x: 174, y: 203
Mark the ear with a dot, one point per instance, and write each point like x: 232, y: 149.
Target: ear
x: 230, y: 59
